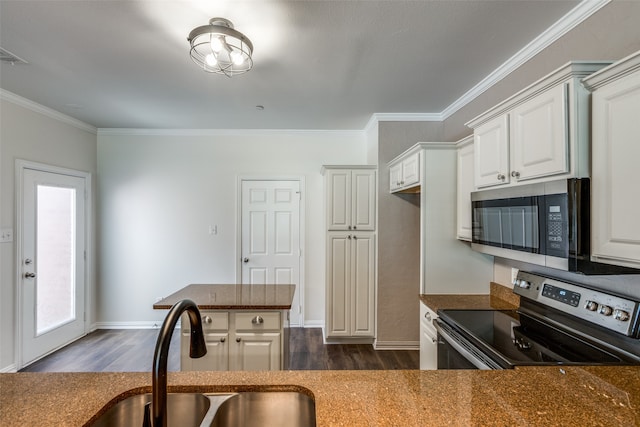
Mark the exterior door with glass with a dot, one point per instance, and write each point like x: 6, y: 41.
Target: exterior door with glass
x: 52, y: 261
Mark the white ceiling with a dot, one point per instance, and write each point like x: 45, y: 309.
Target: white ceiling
x: 317, y: 64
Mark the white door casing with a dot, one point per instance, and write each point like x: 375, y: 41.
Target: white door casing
x: 51, y: 265
x: 270, y: 250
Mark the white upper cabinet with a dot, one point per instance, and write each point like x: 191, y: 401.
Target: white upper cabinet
x: 404, y: 172
x: 539, y: 134
x: 492, y: 152
x: 615, y: 196
x: 351, y: 198
x: 465, y: 186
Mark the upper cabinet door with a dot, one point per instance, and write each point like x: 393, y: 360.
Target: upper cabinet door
x: 363, y: 197
x: 539, y: 136
x: 491, y: 142
x: 339, y: 199
x: 395, y: 176
x: 411, y: 170
x: 615, y: 237
x: 351, y: 199
x: 465, y: 187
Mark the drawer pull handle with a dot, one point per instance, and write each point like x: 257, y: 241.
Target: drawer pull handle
x: 258, y: 320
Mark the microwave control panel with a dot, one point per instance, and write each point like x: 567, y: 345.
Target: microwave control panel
x: 557, y: 225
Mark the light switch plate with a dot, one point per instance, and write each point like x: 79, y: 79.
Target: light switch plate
x: 6, y: 235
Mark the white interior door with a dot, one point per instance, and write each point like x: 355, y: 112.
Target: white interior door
x: 52, y: 270
x: 271, y: 236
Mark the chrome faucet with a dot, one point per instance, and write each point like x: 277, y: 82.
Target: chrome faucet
x: 197, y: 348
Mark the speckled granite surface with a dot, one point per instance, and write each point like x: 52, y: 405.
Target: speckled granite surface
x: 233, y: 297
x: 500, y: 298
x: 530, y: 396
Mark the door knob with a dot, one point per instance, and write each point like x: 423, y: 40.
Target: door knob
x: 29, y: 275
x: 245, y: 259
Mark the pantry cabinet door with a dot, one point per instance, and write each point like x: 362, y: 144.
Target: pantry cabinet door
x: 362, y: 284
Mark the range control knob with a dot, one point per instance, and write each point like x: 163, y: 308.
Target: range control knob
x: 621, y: 315
x: 524, y: 284
x: 591, y: 305
x: 605, y: 310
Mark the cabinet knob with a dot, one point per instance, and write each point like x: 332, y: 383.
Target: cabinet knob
x: 355, y: 237
x: 349, y: 237
x: 427, y: 316
x: 29, y: 275
x: 258, y: 320
x: 354, y: 227
x: 207, y: 319
x: 515, y: 174
x: 238, y: 339
x: 501, y: 177
x: 349, y: 227
x: 223, y: 339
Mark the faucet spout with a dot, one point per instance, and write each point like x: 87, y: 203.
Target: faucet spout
x: 161, y: 355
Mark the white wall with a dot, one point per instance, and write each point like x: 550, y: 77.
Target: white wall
x: 29, y: 131
x: 160, y: 191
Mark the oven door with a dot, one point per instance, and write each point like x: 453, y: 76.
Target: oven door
x: 456, y: 352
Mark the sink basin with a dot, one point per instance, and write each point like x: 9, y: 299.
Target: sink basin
x: 183, y: 409
x: 273, y: 409
x: 244, y: 409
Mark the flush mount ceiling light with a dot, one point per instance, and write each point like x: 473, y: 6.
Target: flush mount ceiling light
x: 219, y: 48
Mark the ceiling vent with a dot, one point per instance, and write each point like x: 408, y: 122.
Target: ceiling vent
x: 6, y: 56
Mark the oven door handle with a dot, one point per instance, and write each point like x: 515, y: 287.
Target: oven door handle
x: 459, y: 348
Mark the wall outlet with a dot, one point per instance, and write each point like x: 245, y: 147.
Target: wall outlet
x: 514, y: 275
x: 6, y: 235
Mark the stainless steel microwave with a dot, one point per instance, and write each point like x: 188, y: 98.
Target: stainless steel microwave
x: 546, y: 224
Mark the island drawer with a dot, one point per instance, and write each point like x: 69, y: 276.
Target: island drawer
x: 211, y: 320
x: 258, y: 320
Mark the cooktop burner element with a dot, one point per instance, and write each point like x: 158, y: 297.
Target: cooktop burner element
x: 557, y: 323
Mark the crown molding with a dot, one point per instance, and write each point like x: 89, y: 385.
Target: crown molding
x: 222, y: 132
x: 45, y: 111
x: 565, y: 24
x: 402, y: 117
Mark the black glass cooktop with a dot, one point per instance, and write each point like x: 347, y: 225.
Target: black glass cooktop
x: 519, y: 339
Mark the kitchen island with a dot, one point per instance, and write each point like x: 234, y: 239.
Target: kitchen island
x: 527, y: 396
x: 246, y: 327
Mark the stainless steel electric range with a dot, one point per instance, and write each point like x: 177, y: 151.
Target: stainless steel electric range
x: 558, y: 323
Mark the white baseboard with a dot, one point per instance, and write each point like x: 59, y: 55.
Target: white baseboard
x: 396, y: 345
x: 11, y: 369
x: 129, y: 325
x: 313, y: 324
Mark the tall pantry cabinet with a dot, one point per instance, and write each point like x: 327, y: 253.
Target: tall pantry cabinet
x: 350, y: 203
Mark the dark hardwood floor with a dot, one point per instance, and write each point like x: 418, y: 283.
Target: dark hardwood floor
x: 132, y: 351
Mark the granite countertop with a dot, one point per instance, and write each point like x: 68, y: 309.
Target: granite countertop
x: 527, y: 396
x: 233, y: 297
x: 499, y: 298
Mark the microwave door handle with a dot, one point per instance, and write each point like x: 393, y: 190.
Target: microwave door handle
x: 459, y: 348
